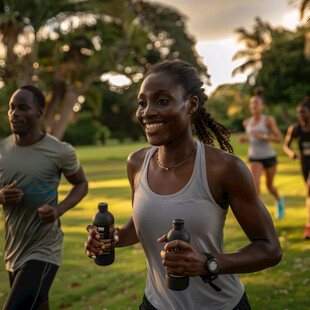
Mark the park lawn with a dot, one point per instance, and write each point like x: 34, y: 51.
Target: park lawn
x: 81, y: 284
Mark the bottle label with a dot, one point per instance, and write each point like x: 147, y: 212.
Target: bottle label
x: 106, y: 237
x: 176, y: 250
x: 175, y: 275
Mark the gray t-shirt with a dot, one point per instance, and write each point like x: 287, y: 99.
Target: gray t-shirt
x: 37, y: 170
x: 204, y: 220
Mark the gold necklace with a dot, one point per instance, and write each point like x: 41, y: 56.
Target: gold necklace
x: 181, y: 163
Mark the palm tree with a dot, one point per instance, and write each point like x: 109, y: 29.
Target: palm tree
x: 304, y: 10
x: 256, y: 42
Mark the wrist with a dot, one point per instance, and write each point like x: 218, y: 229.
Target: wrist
x: 204, y: 270
x: 265, y: 136
x: 59, y: 210
x: 212, y: 267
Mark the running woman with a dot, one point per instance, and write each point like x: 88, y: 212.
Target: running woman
x: 262, y: 129
x: 178, y: 177
x: 301, y: 132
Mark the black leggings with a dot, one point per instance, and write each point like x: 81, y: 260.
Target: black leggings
x: 30, y: 285
x: 242, y: 305
x: 305, y: 167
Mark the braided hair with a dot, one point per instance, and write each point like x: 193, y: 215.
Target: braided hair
x: 206, y: 128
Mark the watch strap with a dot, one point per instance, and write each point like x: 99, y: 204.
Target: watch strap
x: 209, y: 277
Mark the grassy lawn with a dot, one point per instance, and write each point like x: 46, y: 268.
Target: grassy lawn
x: 81, y: 284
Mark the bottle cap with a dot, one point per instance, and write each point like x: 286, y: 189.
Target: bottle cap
x: 178, y: 223
x: 102, y: 206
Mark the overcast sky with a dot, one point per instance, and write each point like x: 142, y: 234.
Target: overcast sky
x: 212, y: 23
x: 217, y: 19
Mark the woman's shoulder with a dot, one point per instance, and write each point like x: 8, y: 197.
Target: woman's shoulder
x: 246, y: 122
x: 219, y: 159
x: 295, y: 129
x: 225, y: 169
x: 139, y: 153
x: 136, y: 158
x: 294, y: 126
x: 269, y: 119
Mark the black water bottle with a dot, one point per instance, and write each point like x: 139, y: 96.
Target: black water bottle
x: 103, y: 222
x: 175, y: 281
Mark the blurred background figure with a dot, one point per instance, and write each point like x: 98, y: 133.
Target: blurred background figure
x: 301, y: 132
x: 260, y: 130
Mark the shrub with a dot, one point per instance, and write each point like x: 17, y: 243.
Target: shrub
x: 86, y: 131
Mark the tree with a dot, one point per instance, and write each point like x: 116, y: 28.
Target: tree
x: 229, y: 105
x: 285, y: 74
x: 19, y: 25
x: 169, y: 37
x: 256, y: 42
x: 65, y: 46
x: 304, y: 10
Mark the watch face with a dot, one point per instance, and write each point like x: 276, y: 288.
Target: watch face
x: 213, y: 266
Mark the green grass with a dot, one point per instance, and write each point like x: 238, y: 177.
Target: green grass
x: 81, y: 284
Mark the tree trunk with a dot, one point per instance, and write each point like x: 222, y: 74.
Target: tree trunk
x: 58, y: 95
x: 61, y: 122
x: 63, y: 98
x: 287, y: 118
x: 57, y: 98
x: 307, y: 46
x: 9, y: 39
x: 25, y: 76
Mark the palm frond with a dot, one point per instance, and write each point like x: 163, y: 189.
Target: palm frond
x: 250, y: 64
x: 302, y: 9
x: 247, y: 53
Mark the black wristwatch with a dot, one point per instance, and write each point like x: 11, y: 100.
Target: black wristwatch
x: 212, y: 266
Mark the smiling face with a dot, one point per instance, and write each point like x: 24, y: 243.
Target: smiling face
x: 256, y: 105
x: 163, y: 109
x: 24, y: 114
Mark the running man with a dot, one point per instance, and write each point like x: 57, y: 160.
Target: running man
x: 31, y: 163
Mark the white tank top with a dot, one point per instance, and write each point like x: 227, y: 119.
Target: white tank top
x: 259, y: 148
x: 204, y: 220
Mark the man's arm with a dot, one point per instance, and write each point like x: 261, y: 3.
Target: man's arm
x: 10, y: 195
x: 49, y: 214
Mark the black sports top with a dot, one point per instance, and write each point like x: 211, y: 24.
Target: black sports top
x: 303, y: 139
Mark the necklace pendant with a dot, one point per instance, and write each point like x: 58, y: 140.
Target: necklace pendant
x: 179, y: 164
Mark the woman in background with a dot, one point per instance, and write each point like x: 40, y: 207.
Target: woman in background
x: 301, y: 132
x: 262, y: 129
